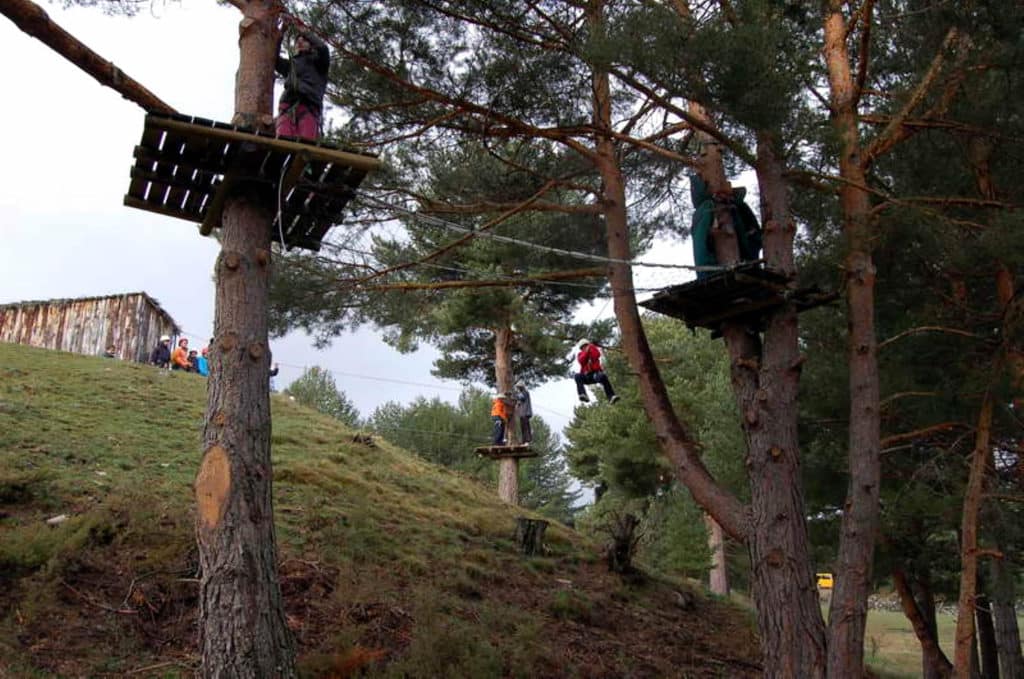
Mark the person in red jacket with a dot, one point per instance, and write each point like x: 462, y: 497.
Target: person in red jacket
x: 591, y: 372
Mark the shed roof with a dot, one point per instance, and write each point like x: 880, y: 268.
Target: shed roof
x: 68, y: 300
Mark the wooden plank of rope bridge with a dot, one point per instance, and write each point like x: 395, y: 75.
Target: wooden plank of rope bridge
x: 362, y: 162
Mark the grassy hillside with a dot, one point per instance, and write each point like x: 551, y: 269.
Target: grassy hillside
x: 390, y: 566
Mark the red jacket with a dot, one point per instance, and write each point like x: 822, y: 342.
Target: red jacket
x: 590, y: 359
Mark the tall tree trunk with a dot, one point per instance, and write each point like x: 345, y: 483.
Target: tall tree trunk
x: 935, y: 663
x: 676, y: 441
x: 925, y: 597
x: 784, y: 588
x: 969, y: 541
x: 848, y: 614
x: 765, y: 380
x: 242, y: 620
x: 508, y: 467
x: 718, y: 576
x: 503, y: 359
x: 987, y: 646
x: 1004, y: 618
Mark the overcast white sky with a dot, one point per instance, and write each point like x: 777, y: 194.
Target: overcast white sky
x: 67, y: 150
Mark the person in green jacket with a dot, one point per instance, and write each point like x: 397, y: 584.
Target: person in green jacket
x: 748, y: 230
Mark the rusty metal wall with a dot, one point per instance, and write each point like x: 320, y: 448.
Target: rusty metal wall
x: 133, y: 323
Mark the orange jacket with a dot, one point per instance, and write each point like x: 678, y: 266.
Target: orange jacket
x: 499, y: 408
x: 179, y: 357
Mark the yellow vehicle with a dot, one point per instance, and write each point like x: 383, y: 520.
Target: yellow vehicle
x: 824, y: 580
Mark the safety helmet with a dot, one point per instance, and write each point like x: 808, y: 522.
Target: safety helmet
x: 165, y: 338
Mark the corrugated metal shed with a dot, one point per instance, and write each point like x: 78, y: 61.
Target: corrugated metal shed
x: 133, y: 322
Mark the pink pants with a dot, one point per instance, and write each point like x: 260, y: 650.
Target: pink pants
x: 297, y: 121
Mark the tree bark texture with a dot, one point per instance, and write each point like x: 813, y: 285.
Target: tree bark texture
x: 1004, y: 618
x: 242, y: 620
x: 935, y: 664
x: 765, y: 378
x: 503, y: 359
x: 33, y: 19
x: 964, y: 640
x: 848, y: 614
x: 508, y: 480
x: 718, y: 577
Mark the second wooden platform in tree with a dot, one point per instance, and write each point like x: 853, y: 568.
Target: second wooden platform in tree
x: 745, y: 293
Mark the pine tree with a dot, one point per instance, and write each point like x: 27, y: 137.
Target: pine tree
x: 317, y: 389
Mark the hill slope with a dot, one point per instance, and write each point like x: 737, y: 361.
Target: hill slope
x: 388, y: 563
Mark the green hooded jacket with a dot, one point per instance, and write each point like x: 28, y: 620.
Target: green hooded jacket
x: 748, y: 230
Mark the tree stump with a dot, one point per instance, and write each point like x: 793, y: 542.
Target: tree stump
x: 530, y: 535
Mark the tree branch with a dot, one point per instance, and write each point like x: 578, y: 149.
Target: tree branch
x: 511, y: 282
x: 894, y: 131
x: 33, y: 20
x: 926, y: 328
x: 922, y: 433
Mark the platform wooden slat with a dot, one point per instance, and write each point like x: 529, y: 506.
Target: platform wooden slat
x: 745, y: 294
x: 183, y: 166
x: 501, y: 452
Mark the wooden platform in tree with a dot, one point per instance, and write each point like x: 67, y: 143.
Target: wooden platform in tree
x: 745, y: 293
x: 499, y: 452
x: 184, y: 166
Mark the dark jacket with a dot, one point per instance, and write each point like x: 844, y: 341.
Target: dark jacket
x: 161, y: 355
x: 748, y: 231
x: 305, y: 74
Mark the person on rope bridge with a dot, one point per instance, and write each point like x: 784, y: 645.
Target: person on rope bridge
x: 500, y: 413
x: 300, y: 110
x: 591, y: 372
x: 748, y: 231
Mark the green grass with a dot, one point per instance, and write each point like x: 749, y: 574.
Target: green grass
x: 891, y: 648
x: 385, y: 559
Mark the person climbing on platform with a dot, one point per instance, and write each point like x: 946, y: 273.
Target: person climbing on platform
x: 499, y: 418
x: 748, y: 230
x: 524, y: 411
x: 161, y: 354
x: 179, y: 357
x: 300, y: 110
x: 591, y: 372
